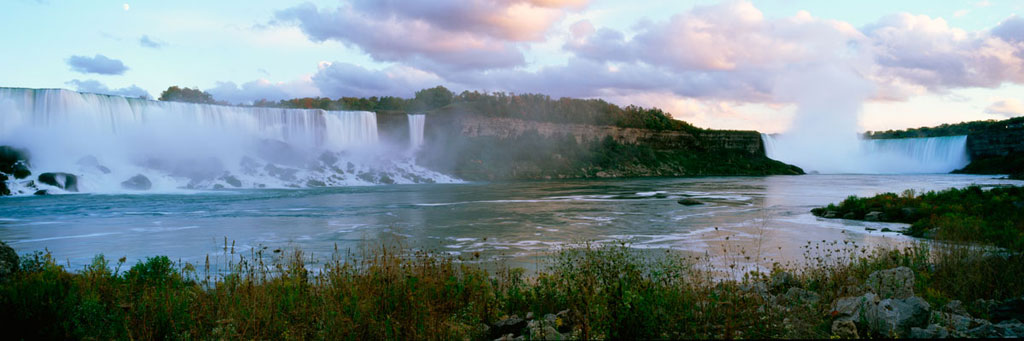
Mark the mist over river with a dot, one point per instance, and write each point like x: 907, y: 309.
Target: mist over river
x: 513, y: 221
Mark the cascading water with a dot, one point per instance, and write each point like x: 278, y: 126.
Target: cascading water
x: 105, y: 140
x: 881, y: 156
x: 416, y: 123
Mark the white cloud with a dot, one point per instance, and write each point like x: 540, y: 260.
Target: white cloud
x: 1007, y: 107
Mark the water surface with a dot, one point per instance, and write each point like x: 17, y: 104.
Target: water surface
x: 515, y: 221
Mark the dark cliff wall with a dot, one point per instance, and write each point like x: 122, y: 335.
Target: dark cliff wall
x: 997, y: 149
x: 996, y: 141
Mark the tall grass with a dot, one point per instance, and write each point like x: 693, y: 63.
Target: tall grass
x: 394, y: 293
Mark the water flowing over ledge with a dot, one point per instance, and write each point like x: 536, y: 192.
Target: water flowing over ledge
x: 106, y: 140
x: 880, y: 156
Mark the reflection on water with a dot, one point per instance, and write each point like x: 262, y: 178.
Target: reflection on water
x: 516, y: 221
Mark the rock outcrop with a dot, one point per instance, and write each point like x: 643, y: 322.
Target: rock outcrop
x: 65, y: 181
x: 137, y: 183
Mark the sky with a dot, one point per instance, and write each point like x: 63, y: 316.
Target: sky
x: 716, y: 64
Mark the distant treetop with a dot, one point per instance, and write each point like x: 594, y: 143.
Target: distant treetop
x: 176, y: 94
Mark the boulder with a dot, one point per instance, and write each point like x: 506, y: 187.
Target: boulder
x: 9, y: 156
x: 65, y: 181
x: 844, y: 328
x: 8, y: 261
x: 232, y: 180
x: 511, y: 325
x: 1010, y: 329
x: 20, y: 170
x: 138, y: 182
x: 956, y: 322
x: 955, y: 307
x: 892, y: 283
x: 896, y: 317
x: 933, y: 331
x: 689, y: 202
x: 781, y: 281
x: 796, y: 297
x: 831, y: 214
x: 874, y: 216
x: 1012, y: 309
x: 853, y: 307
x: 3, y: 185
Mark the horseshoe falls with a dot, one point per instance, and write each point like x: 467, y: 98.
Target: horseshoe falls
x: 928, y: 155
x: 106, y: 140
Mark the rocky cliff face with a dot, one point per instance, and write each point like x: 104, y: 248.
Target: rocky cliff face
x: 996, y: 141
x: 998, y: 149
x: 710, y: 140
x: 477, y: 147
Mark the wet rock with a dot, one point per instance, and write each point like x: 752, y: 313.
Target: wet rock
x: 874, y: 216
x: 9, y: 156
x: 40, y: 192
x: 138, y: 182
x: 1010, y: 309
x: 689, y: 202
x: 895, y: 317
x: 933, y: 331
x: 886, y: 229
x: 285, y: 174
x: 232, y: 180
x: 892, y: 283
x: 65, y: 181
x: 844, y: 328
x: 20, y: 170
x: 831, y: 214
x: 3, y: 185
x: 8, y: 261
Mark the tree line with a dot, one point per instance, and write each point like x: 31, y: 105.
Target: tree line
x: 534, y: 107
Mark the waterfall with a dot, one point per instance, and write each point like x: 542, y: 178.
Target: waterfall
x: 416, y: 122
x: 881, y: 156
x: 107, y: 139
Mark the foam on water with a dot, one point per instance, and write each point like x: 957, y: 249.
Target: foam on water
x: 105, y: 140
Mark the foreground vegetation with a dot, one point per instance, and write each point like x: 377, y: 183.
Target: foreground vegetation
x: 584, y: 292
x: 994, y: 216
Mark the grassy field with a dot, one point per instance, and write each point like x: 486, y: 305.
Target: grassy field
x: 394, y: 293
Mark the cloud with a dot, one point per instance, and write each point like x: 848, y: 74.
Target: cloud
x: 146, y: 41
x: 1007, y: 107
x: 917, y: 49
x: 252, y: 91
x: 99, y: 64
x: 94, y: 86
x: 1011, y: 30
x: 440, y: 35
x: 340, y: 79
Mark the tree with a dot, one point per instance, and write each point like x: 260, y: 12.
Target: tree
x: 433, y: 98
x: 177, y: 94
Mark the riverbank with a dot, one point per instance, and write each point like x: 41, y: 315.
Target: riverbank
x: 585, y: 291
x: 994, y: 216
